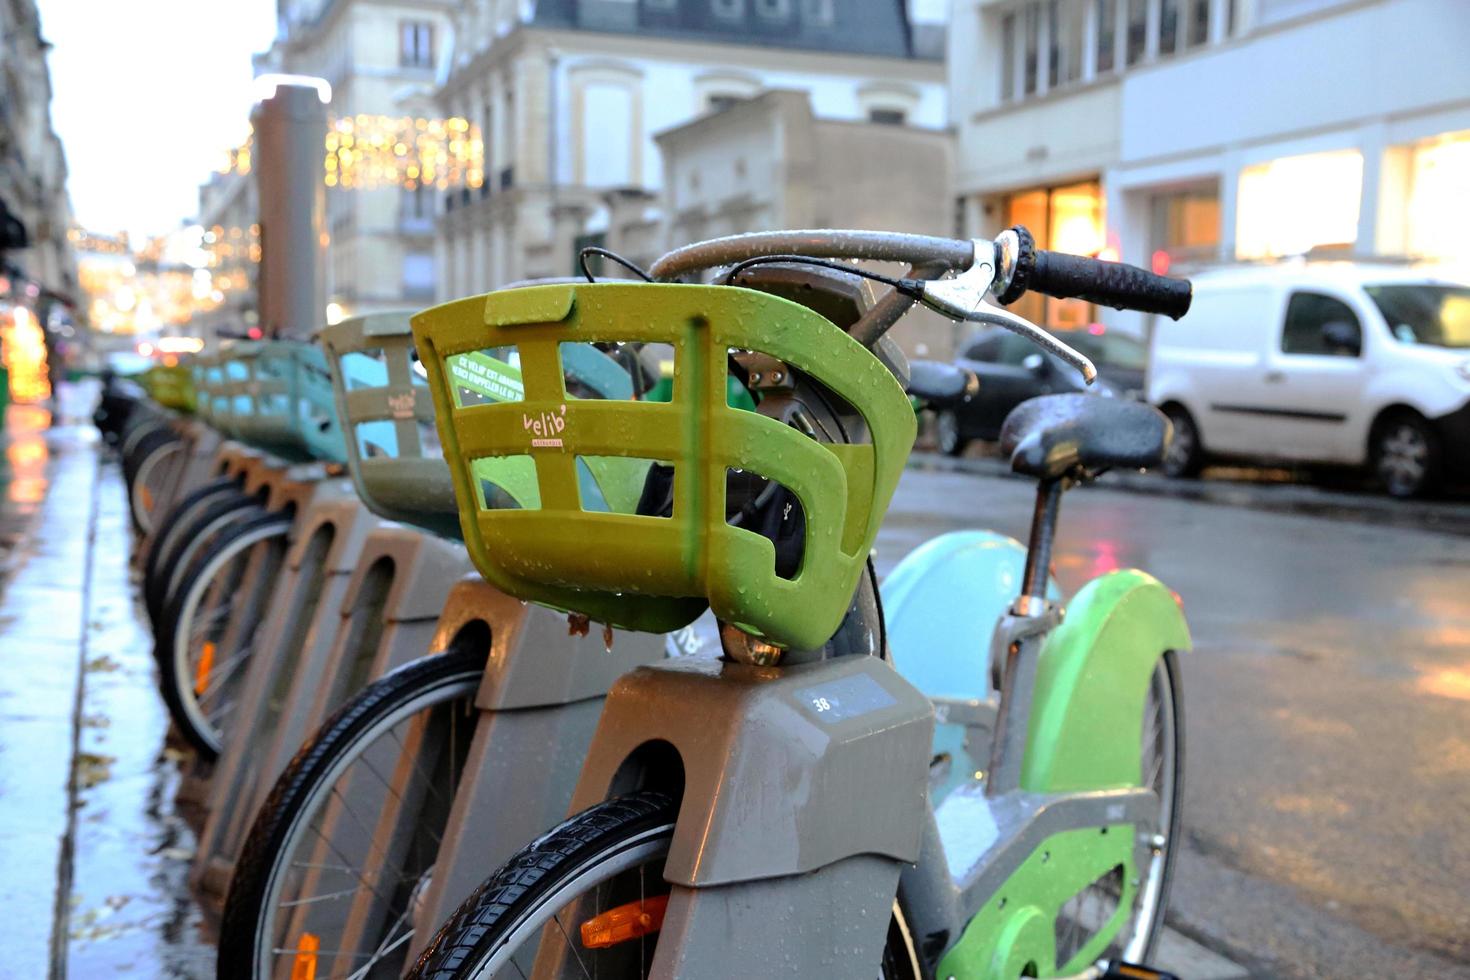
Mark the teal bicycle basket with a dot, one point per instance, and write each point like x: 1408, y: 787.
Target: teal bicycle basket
x: 556, y: 545
x: 277, y: 396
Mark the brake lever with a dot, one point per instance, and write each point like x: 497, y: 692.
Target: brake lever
x: 963, y: 298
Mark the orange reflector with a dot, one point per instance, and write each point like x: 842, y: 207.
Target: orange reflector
x: 147, y: 499
x: 201, y: 673
x: 631, y: 921
x: 303, y: 966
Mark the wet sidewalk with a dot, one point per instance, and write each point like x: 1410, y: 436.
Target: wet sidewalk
x: 95, y: 859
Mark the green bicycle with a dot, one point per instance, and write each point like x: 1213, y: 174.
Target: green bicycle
x: 769, y: 813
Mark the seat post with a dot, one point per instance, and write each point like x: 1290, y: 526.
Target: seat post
x: 1038, y: 553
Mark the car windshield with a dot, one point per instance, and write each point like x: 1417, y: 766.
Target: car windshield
x: 1108, y: 348
x: 1424, y: 313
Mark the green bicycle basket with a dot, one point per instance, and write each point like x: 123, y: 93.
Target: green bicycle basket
x: 170, y: 385
x: 603, y: 558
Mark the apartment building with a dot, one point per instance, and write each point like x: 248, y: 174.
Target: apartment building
x: 1166, y: 132
x: 569, y: 95
x: 382, y: 59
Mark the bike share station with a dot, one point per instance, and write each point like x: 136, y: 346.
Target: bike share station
x: 501, y: 652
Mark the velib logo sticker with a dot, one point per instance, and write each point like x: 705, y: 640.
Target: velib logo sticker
x: 545, y: 427
x: 402, y: 405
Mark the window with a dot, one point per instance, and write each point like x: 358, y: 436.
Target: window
x: 1008, y: 57
x: 1307, y: 316
x: 1107, y: 33
x: 1424, y: 313
x: 1198, y: 30
x: 1033, y: 42
x: 1014, y: 349
x: 418, y: 274
x: 1137, y: 31
x: 773, y: 9
x: 1168, y: 26
x: 1064, y: 20
x: 888, y: 117
x: 416, y: 44
x: 984, y: 349
x: 819, y: 13
x: 728, y: 9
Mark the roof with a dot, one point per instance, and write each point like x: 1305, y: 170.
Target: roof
x: 860, y: 27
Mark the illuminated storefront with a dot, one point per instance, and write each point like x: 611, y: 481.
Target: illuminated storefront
x: 1068, y: 218
x: 1297, y: 204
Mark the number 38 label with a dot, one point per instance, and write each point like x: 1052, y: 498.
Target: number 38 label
x: 847, y: 697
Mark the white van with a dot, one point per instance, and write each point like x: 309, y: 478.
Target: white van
x: 1320, y: 362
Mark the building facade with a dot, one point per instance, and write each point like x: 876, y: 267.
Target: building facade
x: 569, y: 95
x: 36, y: 258
x: 1169, y: 132
x: 769, y: 162
x: 382, y: 58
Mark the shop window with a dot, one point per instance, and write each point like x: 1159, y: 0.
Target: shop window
x: 1295, y: 204
x: 1437, y: 219
x: 1306, y: 330
x: 1064, y: 219
x: 1186, y: 225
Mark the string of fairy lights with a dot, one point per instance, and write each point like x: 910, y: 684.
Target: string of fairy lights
x: 138, y: 289
x: 366, y: 152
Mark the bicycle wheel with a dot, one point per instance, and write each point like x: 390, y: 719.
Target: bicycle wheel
x: 527, y: 918
x: 195, y: 529
x: 319, y: 873
x: 155, y: 482
x: 145, y: 462
x: 200, y: 681
x: 1162, y: 766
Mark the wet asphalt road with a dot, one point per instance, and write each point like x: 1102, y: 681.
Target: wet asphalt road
x: 1327, y: 821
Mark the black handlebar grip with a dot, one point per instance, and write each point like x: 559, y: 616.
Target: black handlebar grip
x: 1115, y: 284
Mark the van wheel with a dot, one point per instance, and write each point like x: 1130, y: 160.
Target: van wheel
x: 947, y: 433
x: 1185, y: 456
x: 1406, y: 455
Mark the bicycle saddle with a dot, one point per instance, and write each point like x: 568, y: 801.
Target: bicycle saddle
x: 1059, y: 435
x: 940, y: 384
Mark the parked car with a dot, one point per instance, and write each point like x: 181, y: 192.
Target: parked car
x: 1011, y: 369
x: 1339, y: 363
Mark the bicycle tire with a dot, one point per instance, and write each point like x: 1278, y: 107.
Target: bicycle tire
x: 247, y: 924
x: 175, y: 684
x: 149, y: 455
x: 182, y: 511
x: 186, y: 545
x: 557, y: 868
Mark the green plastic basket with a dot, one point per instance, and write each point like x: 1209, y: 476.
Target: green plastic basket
x: 648, y: 572
x: 170, y: 385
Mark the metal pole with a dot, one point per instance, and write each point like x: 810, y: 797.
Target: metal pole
x: 290, y: 127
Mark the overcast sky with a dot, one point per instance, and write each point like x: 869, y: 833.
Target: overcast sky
x: 147, y: 95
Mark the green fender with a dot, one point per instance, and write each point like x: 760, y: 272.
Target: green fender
x: 1092, y: 680
x: 1085, y: 730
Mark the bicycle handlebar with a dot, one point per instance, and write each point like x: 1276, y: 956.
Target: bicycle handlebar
x: 1057, y: 274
